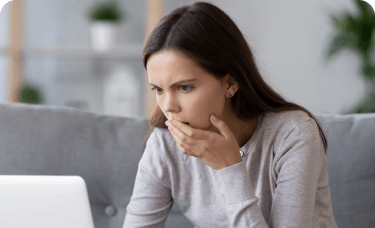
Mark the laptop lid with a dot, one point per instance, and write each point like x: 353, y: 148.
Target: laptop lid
x: 44, y: 202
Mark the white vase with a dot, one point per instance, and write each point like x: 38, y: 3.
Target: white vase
x: 121, y: 92
x: 103, y: 35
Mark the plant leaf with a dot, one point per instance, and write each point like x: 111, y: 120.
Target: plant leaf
x: 339, y: 42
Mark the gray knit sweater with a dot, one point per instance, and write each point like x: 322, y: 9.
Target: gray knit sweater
x: 282, y: 180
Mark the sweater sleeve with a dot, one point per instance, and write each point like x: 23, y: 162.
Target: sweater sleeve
x: 151, y: 200
x: 298, y: 168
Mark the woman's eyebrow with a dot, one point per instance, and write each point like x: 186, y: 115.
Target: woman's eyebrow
x: 176, y: 83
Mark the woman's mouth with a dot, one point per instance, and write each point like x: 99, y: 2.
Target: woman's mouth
x: 186, y: 123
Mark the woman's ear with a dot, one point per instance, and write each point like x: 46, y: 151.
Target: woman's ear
x: 231, y: 84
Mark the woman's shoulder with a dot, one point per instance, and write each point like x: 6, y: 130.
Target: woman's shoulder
x: 161, y: 134
x: 277, y: 126
x: 161, y: 138
x: 286, y: 119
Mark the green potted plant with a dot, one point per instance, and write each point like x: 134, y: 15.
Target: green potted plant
x: 30, y: 94
x: 105, y: 17
x: 355, y: 32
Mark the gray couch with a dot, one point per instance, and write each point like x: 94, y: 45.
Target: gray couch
x: 105, y: 151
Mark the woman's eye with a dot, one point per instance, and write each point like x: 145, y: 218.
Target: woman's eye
x: 183, y: 86
x: 191, y: 88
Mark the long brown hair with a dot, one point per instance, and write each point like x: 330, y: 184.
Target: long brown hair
x: 207, y: 35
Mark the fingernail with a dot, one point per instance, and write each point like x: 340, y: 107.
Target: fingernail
x: 174, y: 122
x: 166, y: 123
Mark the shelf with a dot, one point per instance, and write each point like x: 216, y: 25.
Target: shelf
x: 120, y: 52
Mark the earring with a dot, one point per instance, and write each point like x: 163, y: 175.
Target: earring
x: 230, y: 95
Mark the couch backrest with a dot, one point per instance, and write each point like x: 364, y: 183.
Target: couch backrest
x: 351, y: 167
x: 51, y: 140
x: 105, y: 151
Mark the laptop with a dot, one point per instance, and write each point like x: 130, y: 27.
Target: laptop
x: 44, y: 202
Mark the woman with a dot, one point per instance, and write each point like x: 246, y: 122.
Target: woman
x: 260, y: 163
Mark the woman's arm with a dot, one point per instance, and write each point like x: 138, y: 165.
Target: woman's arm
x: 152, y: 199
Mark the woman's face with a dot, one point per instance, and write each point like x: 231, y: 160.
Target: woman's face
x: 192, y: 102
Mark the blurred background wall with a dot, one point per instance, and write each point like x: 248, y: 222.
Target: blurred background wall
x: 289, y: 39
